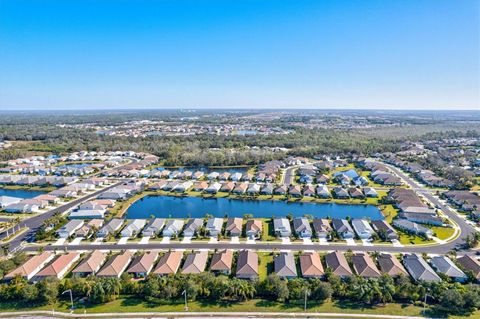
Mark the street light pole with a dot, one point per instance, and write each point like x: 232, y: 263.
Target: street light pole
x: 71, y: 297
x: 184, y: 293
x: 425, y: 303
x: 305, y: 304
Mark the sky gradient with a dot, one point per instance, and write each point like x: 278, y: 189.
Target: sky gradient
x: 413, y: 54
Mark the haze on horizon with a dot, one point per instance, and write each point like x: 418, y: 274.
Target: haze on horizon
x: 373, y: 54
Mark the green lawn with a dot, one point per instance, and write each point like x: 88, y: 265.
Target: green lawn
x: 406, y: 239
x: 389, y: 212
x: 443, y: 232
x: 265, y: 263
x: 123, y: 305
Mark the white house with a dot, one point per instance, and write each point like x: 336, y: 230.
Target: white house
x: 133, y: 228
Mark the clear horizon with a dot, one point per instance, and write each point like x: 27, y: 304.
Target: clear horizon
x: 213, y: 54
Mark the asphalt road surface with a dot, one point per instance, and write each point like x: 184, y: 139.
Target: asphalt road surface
x: 35, y: 222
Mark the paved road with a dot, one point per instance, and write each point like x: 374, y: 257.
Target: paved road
x: 35, y: 222
x: 432, y: 249
x: 289, y: 175
x: 465, y: 228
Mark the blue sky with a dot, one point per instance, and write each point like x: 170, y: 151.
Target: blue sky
x: 405, y: 54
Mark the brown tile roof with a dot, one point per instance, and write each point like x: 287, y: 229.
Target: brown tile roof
x: 195, y: 262
x: 92, y: 263
x: 247, y: 264
x: 234, y: 224
x: 311, y: 265
x: 116, y: 265
x: 169, y: 263
x: 390, y: 265
x: 470, y: 263
x: 58, y: 265
x: 143, y: 263
x: 29, y: 268
x: 337, y: 262
x: 364, y: 266
x: 222, y: 261
x: 254, y: 225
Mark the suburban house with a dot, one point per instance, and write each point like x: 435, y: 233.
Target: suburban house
x: 197, y: 175
x: 412, y: 227
x: 342, y: 228
x: 214, y: 226
x: 192, y: 227
x: 31, y: 267
x: 247, y: 265
x: 321, y: 227
x: 384, y: 230
x: 91, y: 264
x: 213, y: 188
x: 280, y: 190
x: 87, y: 229
x: 419, y: 269
x: 364, y: 266
x: 311, y: 266
x: 227, y: 187
x: 173, y: 227
x: 213, y: 175
x: 200, y: 186
x: 355, y: 192
x: 253, y: 228
x: 267, y: 189
x: 281, y: 227
x: 110, y: 228
x: 284, y: 265
x: 446, y: 266
x: 195, y: 262
x: 116, y: 265
x: 240, y: 188
x: 169, y: 263
x: 295, y: 191
x: 133, y: 228
x: 154, y: 227
x: 253, y: 189
x: 340, y: 193
x: 301, y: 227
x: 370, y: 192
x: 390, y: 265
x: 143, y: 264
x: 469, y: 263
x: 69, y: 228
x: 323, y: 191
x: 362, y: 228
x: 236, y: 176
x: 58, y: 268
x: 222, y: 262
x: 338, y: 264
x: 233, y: 227
x: 8, y: 200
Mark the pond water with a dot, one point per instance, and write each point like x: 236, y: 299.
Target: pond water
x: 184, y: 207
x: 20, y: 193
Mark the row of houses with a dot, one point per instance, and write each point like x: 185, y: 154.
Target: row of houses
x: 239, y: 188
x: 29, y: 180
x: 200, y: 175
x: 323, y: 228
x: 101, y: 264
x: 154, y: 227
x: 381, y: 174
x: 412, y: 208
x: 465, y: 200
x: 32, y: 205
x: 427, y: 177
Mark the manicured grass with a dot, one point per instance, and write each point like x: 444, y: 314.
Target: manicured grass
x: 406, y: 239
x: 265, y: 264
x: 443, y: 232
x: 267, y: 231
x: 123, y: 305
x: 389, y: 212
